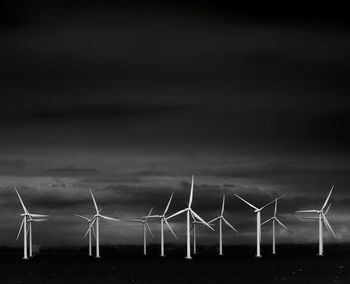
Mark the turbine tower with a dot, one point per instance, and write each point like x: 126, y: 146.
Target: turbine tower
x: 274, y: 219
x: 163, y: 220
x: 95, y: 221
x: 321, y: 220
x: 188, y: 210
x: 258, y: 221
x: 221, y: 219
x: 27, y: 219
x: 89, y: 231
x: 144, y: 222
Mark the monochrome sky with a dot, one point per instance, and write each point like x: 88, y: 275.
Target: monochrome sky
x: 132, y: 99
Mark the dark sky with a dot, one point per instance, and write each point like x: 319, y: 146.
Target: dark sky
x: 131, y: 98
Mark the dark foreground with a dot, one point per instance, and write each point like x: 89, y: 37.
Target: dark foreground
x: 292, y: 264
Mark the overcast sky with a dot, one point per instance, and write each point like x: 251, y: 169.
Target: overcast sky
x: 131, y: 100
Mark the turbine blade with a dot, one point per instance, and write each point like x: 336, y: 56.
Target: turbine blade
x: 223, y: 205
x: 167, y: 206
x: 284, y: 226
x: 217, y: 218
x: 177, y: 213
x: 275, y: 212
x: 166, y: 222
x: 38, y: 220
x: 109, y: 218
x: 93, y: 199
x: 20, y: 229
x: 133, y: 221
x: 149, y: 214
x: 328, y: 226
x: 194, y: 219
x: 306, y: 211
x: 327, y: 199
x: 268, y: 220
x: 251, y: 205
x: 20, y: 199
x: 88, y: 230
x: 90, y: 226
x: 275, y: 200
x: 228, y: 224
x: 149, y: 229
x: 152, y: 216
x: 38, y: 215
x: 83, y: 217
x: 191, y: 194
x: 329, y: 206
x: 199, y: 218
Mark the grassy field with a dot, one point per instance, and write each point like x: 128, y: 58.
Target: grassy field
x: 292, y: 264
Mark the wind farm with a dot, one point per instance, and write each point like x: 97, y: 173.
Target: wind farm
x: 127, y: 259
x: 192, y: 220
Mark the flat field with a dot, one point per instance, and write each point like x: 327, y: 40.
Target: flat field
x: 126, y: 264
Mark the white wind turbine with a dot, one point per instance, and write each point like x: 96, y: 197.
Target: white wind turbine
x: 163, y: 220
x: 321, y: 219
x: 95, y: 221
x: 28, y: 218
x: 258, y: 221
x: 89, y: 231
x: 146, y: 227
x: 221, y: 218
x: 194, y: 215
x: 274, y: 219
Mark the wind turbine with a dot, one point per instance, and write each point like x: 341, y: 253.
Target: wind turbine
x: 95, y: 221
x: 321, y: 219
x: 89, y: 231
x: 163, y: 220
x: 194, y: 215
x: 274, y: 219
x: 27, y: 219
x: 146, y: 227
x: 222, y: 218
x: 258, y: 221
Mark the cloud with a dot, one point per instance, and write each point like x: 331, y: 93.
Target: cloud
x: 12, y: 166
x: 101, y: 112
x: 72, y: 171
x: 273, y: 169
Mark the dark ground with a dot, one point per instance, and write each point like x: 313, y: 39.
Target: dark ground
x: 293, y: 264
